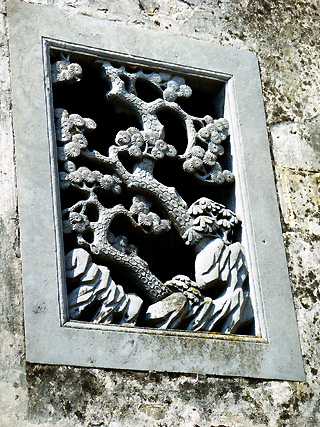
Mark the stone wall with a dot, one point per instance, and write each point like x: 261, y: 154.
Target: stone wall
x: 285, y: 35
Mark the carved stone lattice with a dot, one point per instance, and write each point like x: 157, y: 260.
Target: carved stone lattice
x: 91, y: 180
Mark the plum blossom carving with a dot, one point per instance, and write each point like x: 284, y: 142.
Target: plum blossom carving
x: 140, y: 144
x: 64, y: 71
x: 202, y: 163
x: 149, y: 221
x: 77, y: 222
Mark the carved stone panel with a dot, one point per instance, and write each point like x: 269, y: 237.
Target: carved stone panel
x: 109, y: 188
x: 150, y: 231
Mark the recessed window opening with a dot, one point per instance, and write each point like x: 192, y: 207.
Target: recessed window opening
x: 148, y: 231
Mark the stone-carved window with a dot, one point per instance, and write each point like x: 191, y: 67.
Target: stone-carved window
x: 153, y: 248
x: 149, y: 238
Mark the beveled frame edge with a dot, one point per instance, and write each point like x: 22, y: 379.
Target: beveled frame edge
x: 46, y: 340
x: 227, y: 79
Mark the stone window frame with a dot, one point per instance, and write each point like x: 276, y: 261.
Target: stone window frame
x: 50, y: 338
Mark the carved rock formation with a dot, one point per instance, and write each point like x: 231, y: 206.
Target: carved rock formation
x: 94, y: 285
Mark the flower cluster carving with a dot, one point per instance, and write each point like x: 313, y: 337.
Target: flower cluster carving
x: 206, y: 226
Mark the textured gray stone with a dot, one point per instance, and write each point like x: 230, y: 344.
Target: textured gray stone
x: 285, y: 36
x: 299, y: 199
x: 295, y: 145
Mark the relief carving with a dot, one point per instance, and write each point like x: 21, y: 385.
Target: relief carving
x: 217, y: 297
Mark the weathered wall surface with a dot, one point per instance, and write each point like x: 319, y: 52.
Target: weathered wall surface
x: 285, y: 35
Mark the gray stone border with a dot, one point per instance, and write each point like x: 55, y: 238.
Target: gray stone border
x: 50, y: 338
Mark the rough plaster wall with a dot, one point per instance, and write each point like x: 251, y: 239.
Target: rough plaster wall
x: 285, y: 34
